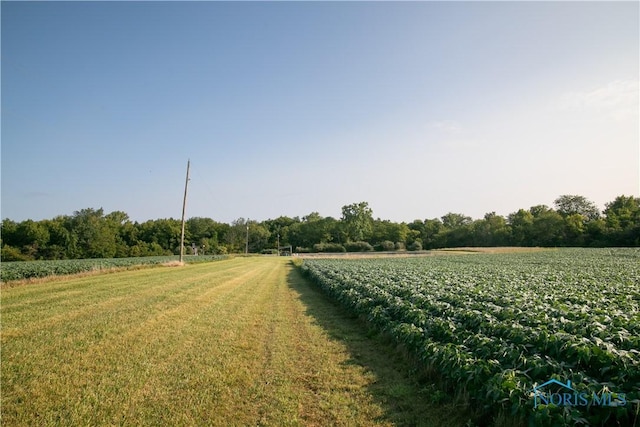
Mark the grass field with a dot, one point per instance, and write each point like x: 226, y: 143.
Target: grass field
x: 244, y: 341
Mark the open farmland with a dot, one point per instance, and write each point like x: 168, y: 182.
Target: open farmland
x: 242, y: 341
x: 496, y: 326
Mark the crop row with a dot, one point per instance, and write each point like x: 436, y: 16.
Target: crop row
x: 19, y: 270
x: 498, y: 325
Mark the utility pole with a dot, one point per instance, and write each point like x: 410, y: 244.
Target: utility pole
x: 184, y: 208
x: 278, y: 243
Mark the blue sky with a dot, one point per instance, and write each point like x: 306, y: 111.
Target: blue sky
x: 286, y: 108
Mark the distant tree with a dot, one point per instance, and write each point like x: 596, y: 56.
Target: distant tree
x: 11, y: 242
x: 492, y: 230
x: 338, y: 231
x: 456, y: 231
x: 33, y: 237
x: 521, y: 223
x: 417, y: 225
x: 118, y: 222
x: 312, y: 217
x: 417, y: 231
x: 574, y: 229
x: 279, y: 230
x: 547, y: 227
x: 385, y: 230
x: 358, y: 221
x: 117, y: 217
x: 538, y: 210
x: 432, y: 232
x: 242, y: 229
x: 623, y: 221
x: 164, y: 232
x: 129, y: 235
x: 623, y: 212
x: 567, y: 205
x: 296, y: 237
x: 95, y: 236
x: 318, y: 229
x: 595, y: 233
x: 236, y: 236
x: 258, y: 237
x: 61, y: 238
x: 312, y: 230
x: 202, y: 232
x: 413, y: 236
x: 8, y: 235
x: 455, y: 220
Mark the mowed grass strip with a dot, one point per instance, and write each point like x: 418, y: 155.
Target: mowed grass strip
x: 239, y: 342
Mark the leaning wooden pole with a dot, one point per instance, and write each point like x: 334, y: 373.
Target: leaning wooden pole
x: 184, y: 208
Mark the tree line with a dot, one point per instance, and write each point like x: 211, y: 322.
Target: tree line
x: 90, y: 233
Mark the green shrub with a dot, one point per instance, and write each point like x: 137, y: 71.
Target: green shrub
x: 328, y: 247
x: 386, y: 246
x: 358, y: 247
x: 415, y: 246
x: 9, y: 253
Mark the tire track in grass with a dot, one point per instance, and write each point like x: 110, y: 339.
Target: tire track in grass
x: 272, y: 386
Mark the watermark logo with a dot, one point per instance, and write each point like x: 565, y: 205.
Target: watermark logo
x: 554, y: 392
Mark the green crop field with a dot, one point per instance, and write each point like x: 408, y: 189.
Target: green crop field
x: 20, y: 270
x: 497, y: 327
x: 237, y: 342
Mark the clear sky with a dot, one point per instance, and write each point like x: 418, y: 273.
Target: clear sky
x: 286, y: 108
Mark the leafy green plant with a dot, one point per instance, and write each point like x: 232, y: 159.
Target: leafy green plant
x: 496, y: 325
